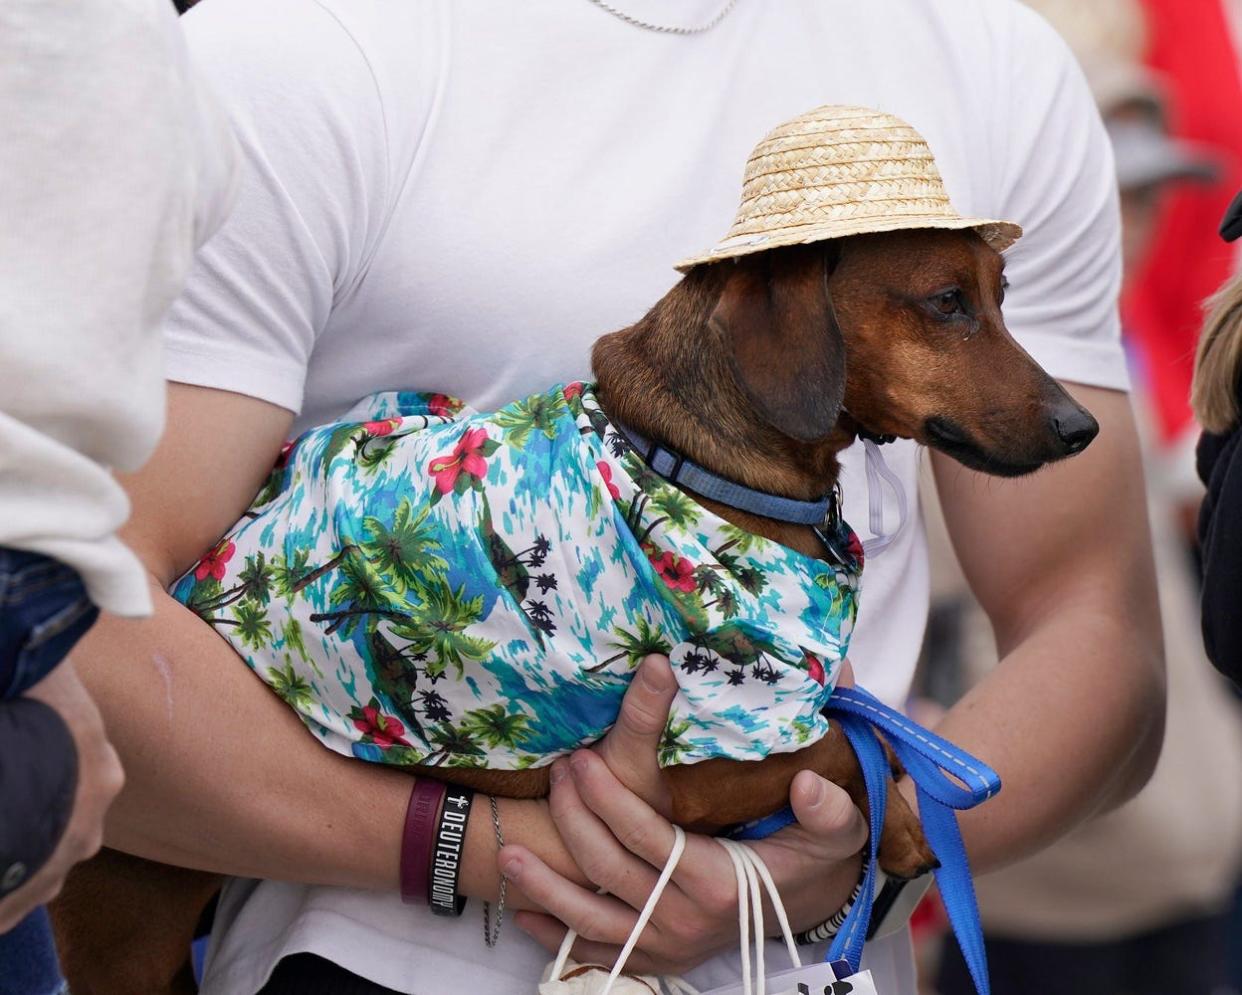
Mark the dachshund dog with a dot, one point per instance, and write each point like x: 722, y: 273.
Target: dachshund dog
x: 761, y: 369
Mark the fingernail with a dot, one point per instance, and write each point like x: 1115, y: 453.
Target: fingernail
x: 654, y: 676
x: 578, y: 762
x: 815, y: 794
x: 559, y: 770
x: 511, y: 867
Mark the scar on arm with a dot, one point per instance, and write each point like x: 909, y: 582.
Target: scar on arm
x: 165, y: 671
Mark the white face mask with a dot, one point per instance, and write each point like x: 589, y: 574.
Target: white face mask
x: 878, y: 474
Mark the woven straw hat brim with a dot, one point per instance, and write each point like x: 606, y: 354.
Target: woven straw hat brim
x: 998, y: 234
x: 839, y: 171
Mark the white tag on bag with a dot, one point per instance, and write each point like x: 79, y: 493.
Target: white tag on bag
x: 817, y: 978
x: 814, y: 979
x: 856, y: 984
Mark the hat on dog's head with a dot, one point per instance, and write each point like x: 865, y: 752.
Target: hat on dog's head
x: 839, y: 171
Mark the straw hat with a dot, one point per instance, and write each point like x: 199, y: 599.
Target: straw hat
x: 839, y: 171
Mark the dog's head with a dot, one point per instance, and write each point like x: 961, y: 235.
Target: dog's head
x: 903, y: 333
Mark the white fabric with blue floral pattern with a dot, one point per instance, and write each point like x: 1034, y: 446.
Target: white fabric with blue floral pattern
x: 426, y: 584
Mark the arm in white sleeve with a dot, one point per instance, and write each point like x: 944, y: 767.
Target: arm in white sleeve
x: 115, y: 165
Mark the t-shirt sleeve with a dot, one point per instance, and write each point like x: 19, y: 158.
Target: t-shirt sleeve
x: 1055, y: 176
x: 307, y: 114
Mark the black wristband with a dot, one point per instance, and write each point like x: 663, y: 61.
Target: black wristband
x: 446, y: 852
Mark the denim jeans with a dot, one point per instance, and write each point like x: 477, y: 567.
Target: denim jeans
x: 28, y: 964
x: 43, y: 612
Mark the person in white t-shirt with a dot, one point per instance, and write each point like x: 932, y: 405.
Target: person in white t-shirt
x: 461, y: 197
x: 115, y: 166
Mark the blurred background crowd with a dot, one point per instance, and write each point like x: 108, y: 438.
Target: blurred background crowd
x: 1148, y: 898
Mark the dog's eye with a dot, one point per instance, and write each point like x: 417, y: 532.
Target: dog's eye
x: 950, y: 302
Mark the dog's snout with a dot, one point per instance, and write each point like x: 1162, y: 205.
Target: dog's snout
x: 1075, y: 428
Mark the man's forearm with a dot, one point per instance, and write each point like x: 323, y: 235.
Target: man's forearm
x: 1070, y: 722
x: 1073, y: 716
x: 221, y: 775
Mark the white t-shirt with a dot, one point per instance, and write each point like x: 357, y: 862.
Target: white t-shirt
x: 462, y: 196
x: 114, y: 167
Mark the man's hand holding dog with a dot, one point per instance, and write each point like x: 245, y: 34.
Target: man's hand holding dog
x: 607, y: 806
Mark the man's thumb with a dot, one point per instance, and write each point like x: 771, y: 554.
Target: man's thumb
x: 631, y: 745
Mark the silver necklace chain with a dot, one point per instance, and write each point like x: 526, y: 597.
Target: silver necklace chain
x: 667, y: 28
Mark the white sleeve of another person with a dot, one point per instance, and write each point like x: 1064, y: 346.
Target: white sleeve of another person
x: 113, y: 168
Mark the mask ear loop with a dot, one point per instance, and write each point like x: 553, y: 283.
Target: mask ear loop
x: 878, y: 473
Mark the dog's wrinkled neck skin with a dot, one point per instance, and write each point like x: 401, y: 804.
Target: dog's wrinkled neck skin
x: 671, y: 376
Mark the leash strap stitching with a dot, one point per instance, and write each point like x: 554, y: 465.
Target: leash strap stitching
x: 988, y: 783
x: 848, y: 943
x: 924, y: 756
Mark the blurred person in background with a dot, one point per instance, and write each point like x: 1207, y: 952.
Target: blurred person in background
x: 113, y: 168
x: 1192, y: 48
x: 1137, y: 900
x: 1215, y: 396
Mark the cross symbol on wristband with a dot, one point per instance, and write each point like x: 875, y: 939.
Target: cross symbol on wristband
x: 458, y: 800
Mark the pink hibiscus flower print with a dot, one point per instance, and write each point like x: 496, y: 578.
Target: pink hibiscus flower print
x: 385, y: 426
x: 815, y: 668
x: 573, y: 390
x: 605, y: 471
x: 467, y: 457
x: 212, y: 565
x: 283, y: 457
x: 676, y: 571
x: 443, y: 406
x: 384, y: 730
x: 855, y: 548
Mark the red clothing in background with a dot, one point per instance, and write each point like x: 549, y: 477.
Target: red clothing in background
x: 1190, y: 45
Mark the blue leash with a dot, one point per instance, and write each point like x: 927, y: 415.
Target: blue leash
x: 928, y: 759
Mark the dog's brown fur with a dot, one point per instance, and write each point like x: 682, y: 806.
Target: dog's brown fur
x: 762, y: 369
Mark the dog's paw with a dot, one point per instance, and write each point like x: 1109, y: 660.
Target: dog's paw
x: 904, y: 850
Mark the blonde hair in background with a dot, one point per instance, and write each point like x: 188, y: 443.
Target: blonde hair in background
x: 1213, y: 393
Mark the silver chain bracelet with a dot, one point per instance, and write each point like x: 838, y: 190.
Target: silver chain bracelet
x: 491, y: 932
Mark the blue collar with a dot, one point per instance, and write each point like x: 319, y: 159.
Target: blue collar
x: 677, y: 469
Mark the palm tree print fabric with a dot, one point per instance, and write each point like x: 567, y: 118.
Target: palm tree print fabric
x: 426, y: 584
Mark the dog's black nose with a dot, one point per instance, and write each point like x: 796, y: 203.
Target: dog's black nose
x: 1075, y: 428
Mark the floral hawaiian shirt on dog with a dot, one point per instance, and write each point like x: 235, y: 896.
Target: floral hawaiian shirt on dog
x: 425, y: 584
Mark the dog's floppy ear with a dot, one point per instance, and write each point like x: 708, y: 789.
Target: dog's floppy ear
x: 776, y: 316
